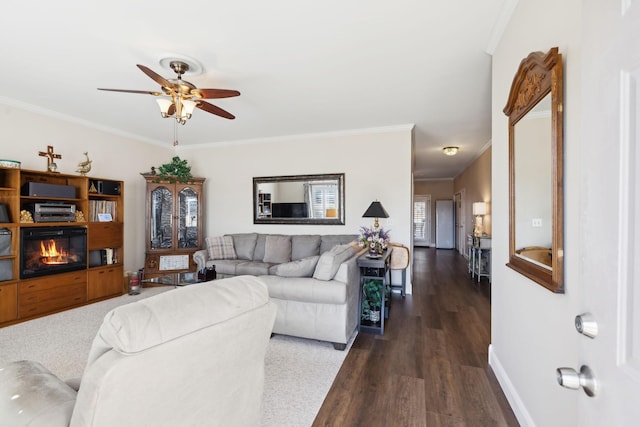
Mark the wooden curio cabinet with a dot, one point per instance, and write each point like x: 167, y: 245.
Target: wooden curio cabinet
x: 174, y: 226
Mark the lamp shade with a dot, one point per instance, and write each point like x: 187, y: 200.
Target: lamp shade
x: 375, y: 210
x: 479, y: 208
x: 164, y: 105
x: 187, y: 108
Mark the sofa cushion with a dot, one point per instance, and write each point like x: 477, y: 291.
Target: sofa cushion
x: 220, y: 247
x: 143, y: 324
x: 331, y: 240
x: 258, y: 253
x: 304, y: 245
x: 303, y: 267
x: 253, y: 268
x: 277, y: 249
x: 330, y: 261
x: 306, y: 289
x: 225, y: 266
x: 244, y: 244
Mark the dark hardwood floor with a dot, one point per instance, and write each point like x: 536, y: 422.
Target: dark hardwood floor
x: 430, y: 366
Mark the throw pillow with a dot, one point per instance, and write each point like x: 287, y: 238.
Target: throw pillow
x: 330, y: 261
x: 303, y: 267
x: 220, y: 247
x: 277, y: 249
x: 304, y: 245
x: 244, y: 244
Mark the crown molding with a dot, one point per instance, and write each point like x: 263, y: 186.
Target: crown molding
x: 14, y: 103
x: 500, y: 25
x: 319, y: 135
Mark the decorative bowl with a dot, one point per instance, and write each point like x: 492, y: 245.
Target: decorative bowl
x: 9, y: 164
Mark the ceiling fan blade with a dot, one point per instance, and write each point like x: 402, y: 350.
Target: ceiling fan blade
x: 210, y: 108
x: 155, y: 76
x: 146, y: 92
x: 214, y: 93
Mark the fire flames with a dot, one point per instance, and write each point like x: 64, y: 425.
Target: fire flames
x: 51, y: 255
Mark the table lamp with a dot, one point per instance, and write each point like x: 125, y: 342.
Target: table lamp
x: 376, y: 211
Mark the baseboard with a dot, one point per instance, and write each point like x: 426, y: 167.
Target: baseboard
x: 517, y: 405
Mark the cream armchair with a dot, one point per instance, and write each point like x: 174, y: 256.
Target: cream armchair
x: 193, y: 356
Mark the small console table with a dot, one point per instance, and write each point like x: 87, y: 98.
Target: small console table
x: 479, y: 256
x: 375, y: 275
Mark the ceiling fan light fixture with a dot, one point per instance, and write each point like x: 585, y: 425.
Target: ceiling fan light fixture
x: 164, y: 105
x: 187, y: 108
x: 450, y: 151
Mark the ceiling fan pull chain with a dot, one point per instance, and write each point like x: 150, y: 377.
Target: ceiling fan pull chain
x: 175, y: 133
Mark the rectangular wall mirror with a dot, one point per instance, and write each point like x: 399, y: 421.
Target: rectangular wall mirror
x: 299, y: 199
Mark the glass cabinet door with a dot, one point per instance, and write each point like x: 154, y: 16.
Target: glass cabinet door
x: 161, y: 217
x: 188, y: 218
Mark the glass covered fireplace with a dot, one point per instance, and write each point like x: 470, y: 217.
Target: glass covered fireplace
x: 52, y: 250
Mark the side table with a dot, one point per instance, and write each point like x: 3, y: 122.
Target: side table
x: 376, y: 277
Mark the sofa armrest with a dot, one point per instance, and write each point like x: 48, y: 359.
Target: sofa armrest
x: 30, y: 395
x: 353, y: 291
x: 200, y: 258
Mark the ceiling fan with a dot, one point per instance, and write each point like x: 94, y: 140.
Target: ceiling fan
x: 184, y: 96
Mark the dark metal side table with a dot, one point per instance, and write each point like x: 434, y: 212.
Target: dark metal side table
x: 375, y: 274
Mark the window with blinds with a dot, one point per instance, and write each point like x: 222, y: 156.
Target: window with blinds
x: 323, y: 198
x: 419, y: 219
x: 422, y: 220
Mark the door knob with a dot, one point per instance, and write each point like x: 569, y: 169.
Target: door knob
x: 586, y: 325
x: 569, y: 378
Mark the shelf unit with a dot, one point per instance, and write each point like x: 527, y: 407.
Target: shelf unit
x: 264, y: 205
x: 23, y: 299
x: 376, y: 271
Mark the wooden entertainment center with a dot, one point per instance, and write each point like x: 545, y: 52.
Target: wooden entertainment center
x: 97, y: 274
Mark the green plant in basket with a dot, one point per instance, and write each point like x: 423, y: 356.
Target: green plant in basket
x: 372, y: 299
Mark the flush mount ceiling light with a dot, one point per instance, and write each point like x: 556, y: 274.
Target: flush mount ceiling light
x: 450, y: 151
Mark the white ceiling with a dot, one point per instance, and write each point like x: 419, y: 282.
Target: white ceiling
x: 302, y: 67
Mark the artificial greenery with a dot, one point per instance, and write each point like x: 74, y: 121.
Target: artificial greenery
x: 177, y: 170
x: 373, y: 296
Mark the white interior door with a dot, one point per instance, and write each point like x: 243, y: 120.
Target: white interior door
x: 610, y: 199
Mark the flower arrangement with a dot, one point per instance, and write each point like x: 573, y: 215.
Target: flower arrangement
x: 374, y: 239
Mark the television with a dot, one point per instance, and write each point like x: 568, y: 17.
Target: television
x: 289, y: 210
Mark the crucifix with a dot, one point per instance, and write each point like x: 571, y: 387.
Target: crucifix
x: 51, y: 166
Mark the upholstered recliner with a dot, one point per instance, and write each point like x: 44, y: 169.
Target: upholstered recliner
x: 193, y: 356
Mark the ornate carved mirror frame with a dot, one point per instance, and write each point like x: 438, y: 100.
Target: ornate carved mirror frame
x: 539, y: 76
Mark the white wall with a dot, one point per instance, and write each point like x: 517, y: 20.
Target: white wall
x: 377, y: 165
x: 25, y: 133
x: 532, y: 328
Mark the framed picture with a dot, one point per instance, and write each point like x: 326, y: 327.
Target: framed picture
x: 104, y: 217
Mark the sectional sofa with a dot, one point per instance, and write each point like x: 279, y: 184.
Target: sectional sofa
x: 313, y: 279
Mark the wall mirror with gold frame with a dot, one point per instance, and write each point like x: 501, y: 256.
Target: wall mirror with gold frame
x: 299, y: 199
x: 536, y: 205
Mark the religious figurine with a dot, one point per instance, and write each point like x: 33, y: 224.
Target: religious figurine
x: 51, y: 165
x: 85, y: 166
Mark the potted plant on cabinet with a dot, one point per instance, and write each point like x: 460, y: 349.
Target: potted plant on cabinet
x: 372, y: 300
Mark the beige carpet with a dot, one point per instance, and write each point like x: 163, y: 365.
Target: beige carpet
x: 299, y: 372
